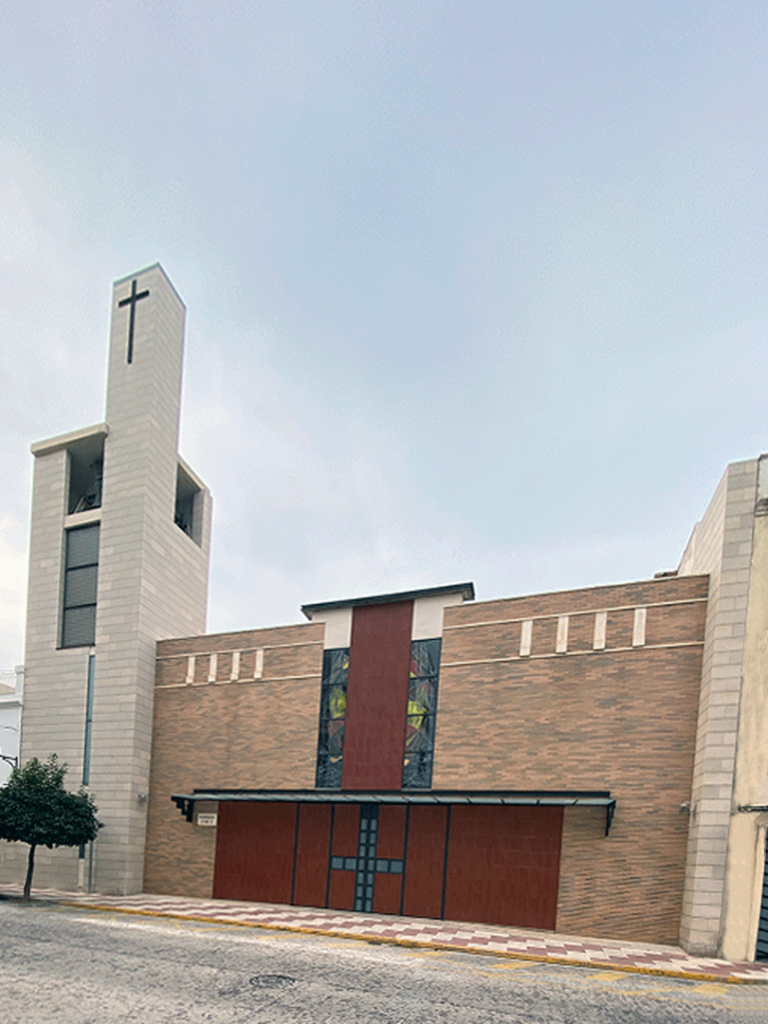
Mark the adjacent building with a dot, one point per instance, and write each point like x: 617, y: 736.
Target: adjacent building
x: 11, y: 702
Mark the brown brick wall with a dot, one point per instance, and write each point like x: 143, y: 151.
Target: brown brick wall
x: 619, y: 720
x: 543, y: 639
x: 581, y: 632
x: 562, y: 602
x: 248, y: 734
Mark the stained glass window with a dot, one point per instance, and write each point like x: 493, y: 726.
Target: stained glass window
x: 420, y: 716
x: 333, y: 713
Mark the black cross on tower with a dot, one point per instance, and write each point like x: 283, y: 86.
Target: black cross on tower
x: 131, y: 301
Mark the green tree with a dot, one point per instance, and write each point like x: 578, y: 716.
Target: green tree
x: 36, y: 809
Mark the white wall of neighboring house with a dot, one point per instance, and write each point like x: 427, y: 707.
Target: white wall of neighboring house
x: 11, y: 698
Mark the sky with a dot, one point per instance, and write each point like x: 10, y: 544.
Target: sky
x: 475, y: 290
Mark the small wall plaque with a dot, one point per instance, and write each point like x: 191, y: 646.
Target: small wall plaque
x: 207, y: 820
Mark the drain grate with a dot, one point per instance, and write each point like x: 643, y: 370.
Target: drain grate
x: 272, y: 980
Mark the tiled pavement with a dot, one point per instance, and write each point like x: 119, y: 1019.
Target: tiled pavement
x: 495, y: 940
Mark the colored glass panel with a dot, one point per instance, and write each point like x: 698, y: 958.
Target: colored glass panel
x: 420, y: 715
x: 333, y: 715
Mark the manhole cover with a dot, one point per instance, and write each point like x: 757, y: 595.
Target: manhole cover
x: 271, y: 980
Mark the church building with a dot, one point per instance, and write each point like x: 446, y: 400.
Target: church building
x: 591, y: 761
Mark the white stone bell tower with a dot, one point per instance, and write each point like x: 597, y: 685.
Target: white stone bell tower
x: 119, y: 546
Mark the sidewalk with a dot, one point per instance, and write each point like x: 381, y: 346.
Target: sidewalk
x: 517, y: 943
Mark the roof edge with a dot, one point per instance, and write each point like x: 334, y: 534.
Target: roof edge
x: 50, y: 444
x: 467, y: 591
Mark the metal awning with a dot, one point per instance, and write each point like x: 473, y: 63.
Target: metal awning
x: 514, y: 798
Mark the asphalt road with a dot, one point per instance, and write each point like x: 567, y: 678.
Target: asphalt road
x: 70, y: 966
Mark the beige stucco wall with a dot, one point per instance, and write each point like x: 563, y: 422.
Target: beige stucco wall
x: 721, y: 545
x: 747, y: 828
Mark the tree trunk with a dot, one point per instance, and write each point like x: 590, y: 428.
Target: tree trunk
x: 30, y: 869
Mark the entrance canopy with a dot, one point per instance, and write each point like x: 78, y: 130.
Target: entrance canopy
x: 520, y: 797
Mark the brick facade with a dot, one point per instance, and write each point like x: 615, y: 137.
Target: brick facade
x: 243, y: 733
x: 592, y: 707
x: 622, y: 718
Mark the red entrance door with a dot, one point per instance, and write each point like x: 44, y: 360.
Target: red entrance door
x: 503, y: 865
x: 254, y: 851
x: 495, y: 864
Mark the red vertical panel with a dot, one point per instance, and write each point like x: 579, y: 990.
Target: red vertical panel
x: 341, y: 892
x: 424, y: 861
x: 386, y: 894
x: 377, y: 696
x: 254, y: 851
x: 391, y: 831
x: 312, y: 846
x: 391, y: 842
x: 346, y: 825
x: 504, y: 865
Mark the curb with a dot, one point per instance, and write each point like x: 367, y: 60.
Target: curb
x: 392, y: 940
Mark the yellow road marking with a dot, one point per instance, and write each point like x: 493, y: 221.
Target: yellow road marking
x: 516, y: 965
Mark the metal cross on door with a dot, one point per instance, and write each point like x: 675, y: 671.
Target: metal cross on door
x: 366, y: 864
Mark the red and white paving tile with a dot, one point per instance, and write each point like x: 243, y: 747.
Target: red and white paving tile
x: 517, y: 943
